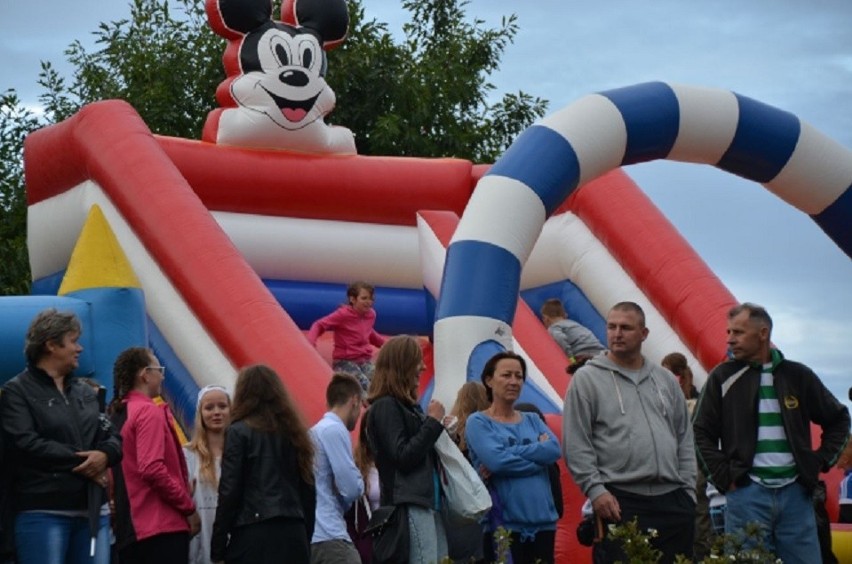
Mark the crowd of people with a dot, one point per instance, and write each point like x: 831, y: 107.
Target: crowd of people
x: 255, y: 484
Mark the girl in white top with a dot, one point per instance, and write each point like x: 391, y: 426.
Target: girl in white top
x: 204, y: 459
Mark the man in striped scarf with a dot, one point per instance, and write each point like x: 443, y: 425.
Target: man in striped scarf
x: 753, y: 435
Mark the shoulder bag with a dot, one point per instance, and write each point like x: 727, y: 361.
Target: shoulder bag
x: 389, y: 528
x: 466, y: 495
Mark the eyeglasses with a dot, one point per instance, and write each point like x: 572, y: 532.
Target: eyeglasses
x: 160, y: 369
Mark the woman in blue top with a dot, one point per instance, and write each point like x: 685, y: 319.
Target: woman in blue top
x: 513, y: 451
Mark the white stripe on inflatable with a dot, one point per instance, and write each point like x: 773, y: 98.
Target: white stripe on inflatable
x: 596, y: 131
x: 51, y: 238
x: 433, y: 255
x: 284, y: 248
x: 457, y: 337
x: 819, y: 163
x: 708, y: 123
x: 173, y: 317
x: 498, y: 196
x: 566, y: 249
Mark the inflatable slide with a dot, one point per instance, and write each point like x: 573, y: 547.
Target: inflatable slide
x: 235, y: 251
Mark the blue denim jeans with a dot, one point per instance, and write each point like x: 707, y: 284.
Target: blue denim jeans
x: 44, y: 538
x: 427, y: 534
x: 785, y: 514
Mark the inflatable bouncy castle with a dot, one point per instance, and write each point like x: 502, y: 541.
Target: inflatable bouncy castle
x: 221, y: 252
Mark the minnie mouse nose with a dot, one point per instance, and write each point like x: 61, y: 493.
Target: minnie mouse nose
x: 294, y: 78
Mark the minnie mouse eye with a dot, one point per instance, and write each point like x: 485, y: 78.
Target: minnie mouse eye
x: 307, y: 58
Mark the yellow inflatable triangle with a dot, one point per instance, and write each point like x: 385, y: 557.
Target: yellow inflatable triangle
x: 98, y: 260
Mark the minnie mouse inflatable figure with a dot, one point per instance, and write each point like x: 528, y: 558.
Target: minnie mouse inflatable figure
x: 276, y: 95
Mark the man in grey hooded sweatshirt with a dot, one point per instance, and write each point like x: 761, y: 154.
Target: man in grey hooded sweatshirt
x: 628, y: 441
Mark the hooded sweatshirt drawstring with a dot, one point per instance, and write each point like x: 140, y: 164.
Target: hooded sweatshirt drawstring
x: 660, y: 395
x: 618, y: 392
x: 621, y: 401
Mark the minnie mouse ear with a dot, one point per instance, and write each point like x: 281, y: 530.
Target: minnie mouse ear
x: 329, y: 18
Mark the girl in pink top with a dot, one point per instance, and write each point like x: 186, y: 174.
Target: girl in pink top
x: 155, y: 514
x: 354, y: 336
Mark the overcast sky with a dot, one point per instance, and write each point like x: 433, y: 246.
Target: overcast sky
x: 791, y: 54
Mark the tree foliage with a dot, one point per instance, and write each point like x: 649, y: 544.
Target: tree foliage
x: 428, y: 95
x: 15, y: 123
x: 425, y: 95
x: 166, y: 63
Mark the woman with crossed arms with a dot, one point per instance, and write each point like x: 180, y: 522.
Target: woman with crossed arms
x: 513, y: 450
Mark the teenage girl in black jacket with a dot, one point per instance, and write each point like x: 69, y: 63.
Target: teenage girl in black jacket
x: 267, y: 497
x: 402, y: 438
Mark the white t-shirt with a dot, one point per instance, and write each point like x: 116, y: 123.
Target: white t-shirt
x: 206, y: 498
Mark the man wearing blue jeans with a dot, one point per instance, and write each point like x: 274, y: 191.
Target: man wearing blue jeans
x: 753, y: 435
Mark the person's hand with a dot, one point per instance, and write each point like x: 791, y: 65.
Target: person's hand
x: 543, y: 437
x: 94, y: 466
x: 194, y: 523
x: 436, y: 410
x: 484, y: 472
x: 450, y: 423
x: 607, y: 507
x: 102, y: 480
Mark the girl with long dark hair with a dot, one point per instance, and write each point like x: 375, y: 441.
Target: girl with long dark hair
x: 267, y: 497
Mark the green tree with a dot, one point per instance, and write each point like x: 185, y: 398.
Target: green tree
x: 15, y: 123
x: 166, y: 63
x: 428, y: 95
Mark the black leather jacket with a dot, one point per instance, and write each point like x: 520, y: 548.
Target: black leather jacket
x: 43, y: 428
x: 260, y: 480
x: 402, y: 438
x: 727, y: 411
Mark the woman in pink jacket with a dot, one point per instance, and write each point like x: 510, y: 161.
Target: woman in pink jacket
x: 354, y: 336
x: 155, y: 514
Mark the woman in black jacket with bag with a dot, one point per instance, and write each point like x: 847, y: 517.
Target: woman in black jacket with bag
x: 267, y: 497
x: 401, y: 439
x: 58, y: 449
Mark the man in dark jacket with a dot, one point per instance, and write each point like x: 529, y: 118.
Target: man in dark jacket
x: 753, y: 435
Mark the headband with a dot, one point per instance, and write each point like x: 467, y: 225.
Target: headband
x: 210, y: 388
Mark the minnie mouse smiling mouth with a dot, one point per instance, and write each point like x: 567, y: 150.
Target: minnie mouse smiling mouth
x: 293, y: 110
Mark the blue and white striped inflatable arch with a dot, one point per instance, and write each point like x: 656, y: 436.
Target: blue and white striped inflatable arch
x: 590, y: 137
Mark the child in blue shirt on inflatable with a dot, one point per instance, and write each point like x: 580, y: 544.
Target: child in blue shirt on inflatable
x: 513, y: 451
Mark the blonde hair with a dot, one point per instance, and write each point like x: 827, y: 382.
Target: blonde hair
x: 472, y: 397
x: 397, y: 371
x: 200, y: 442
